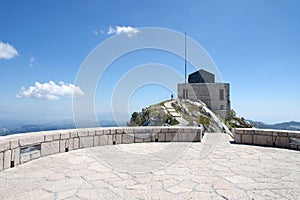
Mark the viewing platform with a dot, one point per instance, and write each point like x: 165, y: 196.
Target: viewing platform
x: 21, y: 148
x: 145, y: 163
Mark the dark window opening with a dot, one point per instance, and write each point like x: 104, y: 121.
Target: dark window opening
x: 221, y: 94
x: 12, y: 164
x: 185, y: 94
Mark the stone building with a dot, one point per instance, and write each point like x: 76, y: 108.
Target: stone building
x: 202, y: 86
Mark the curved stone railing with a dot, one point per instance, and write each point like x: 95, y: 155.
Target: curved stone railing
x: 268, y: 137
x: 21, y: 148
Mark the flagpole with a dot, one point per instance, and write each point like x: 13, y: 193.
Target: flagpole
x: 185, y: 57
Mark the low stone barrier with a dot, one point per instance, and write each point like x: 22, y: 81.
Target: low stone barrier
x: 21, y: 148
x: 268, y: 137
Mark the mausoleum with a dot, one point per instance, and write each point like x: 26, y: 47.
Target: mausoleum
x: 202, y: 86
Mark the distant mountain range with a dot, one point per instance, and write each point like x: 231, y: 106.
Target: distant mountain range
x: 57, y: 125
x: 292, y: 125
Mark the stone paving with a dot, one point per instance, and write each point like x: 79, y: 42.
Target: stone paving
x: 175, y: 114
x: 213, y: 169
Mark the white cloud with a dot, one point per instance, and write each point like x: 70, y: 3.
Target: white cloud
x: 130, y: 31
x: 31, y: 61
x: 98, y: 32
x: 7, y: 51
x: 50, y: 91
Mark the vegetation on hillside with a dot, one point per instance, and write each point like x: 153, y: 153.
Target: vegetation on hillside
x: 194, y: 113
x: 237, y: 122
x: 154, y: 115
x: 204, y: 120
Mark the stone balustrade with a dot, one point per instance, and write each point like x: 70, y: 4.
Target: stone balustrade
x: 21, y: 148
x: 268, y: 137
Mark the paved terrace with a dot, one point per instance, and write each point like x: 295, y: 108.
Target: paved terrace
x: 216, y: 168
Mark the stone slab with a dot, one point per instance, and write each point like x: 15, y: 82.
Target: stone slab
x: 99, y: 132
x: 86, y: 142
x: 191, y: 137
x: 7, y: 159
x: 14, y: 143
x: 263, y: 140
x: 198, y: 137
x: 71, y: 144
x: 4, y: 145
x: 282, y: 142
x: 170, y: 137
x: 120, y: 130
x: 113, y: 131
x: 83, y: 133
x: 56, y: 136
x: 76, y: 143
x: 103, y: 140
x: 237, y: 138
x: 65, y: 135
x: 1, y: 161
x: 128, y: 138
x: 73, y: 134
x: 110, y: 140
x: 247, y: 139
x: 49, y: 148
x: 119, y: 138
x: 161, y: 137
x: 30, y: 140
x: 92, y: 132
x: 96, y: 140
x: 48, y: 137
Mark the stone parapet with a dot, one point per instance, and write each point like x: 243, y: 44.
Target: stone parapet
x: 268, y: 137
x: 21, y: 148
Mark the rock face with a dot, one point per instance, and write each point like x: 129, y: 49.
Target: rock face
x: 170, y: 112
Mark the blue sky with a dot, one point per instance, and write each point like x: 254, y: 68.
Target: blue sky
x: 255, y: 45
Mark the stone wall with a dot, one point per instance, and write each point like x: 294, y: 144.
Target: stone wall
x: 21, y: 148
x: 268, y: 137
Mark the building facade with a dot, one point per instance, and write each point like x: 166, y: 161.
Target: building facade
x: 215, y: 95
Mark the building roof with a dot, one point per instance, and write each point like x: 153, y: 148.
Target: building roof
x: 201, y: 76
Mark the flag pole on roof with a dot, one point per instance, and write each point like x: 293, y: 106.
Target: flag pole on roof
x: 185, y: 57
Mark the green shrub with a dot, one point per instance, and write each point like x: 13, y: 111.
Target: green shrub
x: 171, y: 120
x: 204, y: 120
